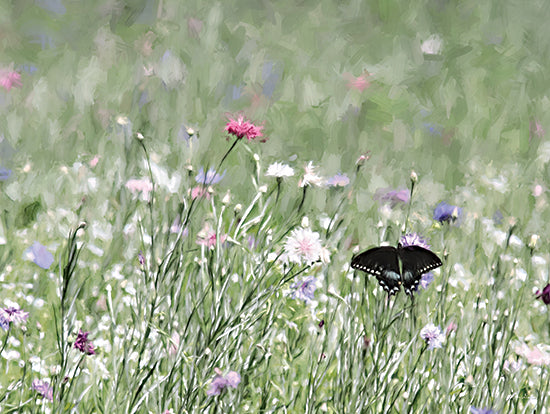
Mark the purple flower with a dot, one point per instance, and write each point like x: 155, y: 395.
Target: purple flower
x: 211, y: 177
x: 39, y: 255
x: 394, y: 197
x: 544, y: 295
x: 485, y: 410
x: 339, y: 180
x: 43, y: 388
x: 433, y: 336
x: 305, y: 289
x: 4, y: 174
x: 83, y: 344
x: 426, y: 280
x: 446, y: 213
x: 220, y: 382
x: 14, y: 315
x: 414, y: 239
x: 141, y: 258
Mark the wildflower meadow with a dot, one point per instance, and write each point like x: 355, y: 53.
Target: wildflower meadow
x: 184, y: 186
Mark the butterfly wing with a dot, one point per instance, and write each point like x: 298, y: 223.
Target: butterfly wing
x: 416, y: 261
x: 383, y: 263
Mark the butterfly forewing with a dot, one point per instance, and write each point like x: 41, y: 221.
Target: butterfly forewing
x: 415, y: 262
x: 393, y: 267
x: 383, y: 263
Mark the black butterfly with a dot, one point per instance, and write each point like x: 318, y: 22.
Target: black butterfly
x: 395, y: 267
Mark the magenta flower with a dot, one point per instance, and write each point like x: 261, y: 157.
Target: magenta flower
x: 10, y: 79
x: 43, y: 388
x: 394, y: 197
x: 241, y: 128
x: 39, y: 255
x: 13, y: 315
x: 83, y: 344
x: 544, y: 295
x: 220, y: 382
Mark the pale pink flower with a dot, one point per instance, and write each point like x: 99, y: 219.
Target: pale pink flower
x: 200, y: 191
x: 220, y: 382
x: 94, y: 161
x: 310, y: 176
x: 534, y: 355
x: 359, y: 83
x: 10, y: 79
x: 207, y: 237
x: 142, y: 185
x: 303, y: 245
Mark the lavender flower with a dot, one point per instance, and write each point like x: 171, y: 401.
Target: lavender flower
x: 446, y: 213
x: 485, y: 410
x: 83, y: 344
x: 433, y: 336
x: 305, y: 289
x: 414, y: 239
x: 4, y: 174
x: 211, y: 177
x: 43, y: 388
x: 394, y: 197
x: 11, y: 314
x: 220, y: 382
x: 39, y: 255
x: 338, y: 180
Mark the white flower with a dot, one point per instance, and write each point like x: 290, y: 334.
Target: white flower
x: 278, y: 169
x: 432, y: 45
x: 432, y: 335
x: 303, y: 245
x: 310, y: 176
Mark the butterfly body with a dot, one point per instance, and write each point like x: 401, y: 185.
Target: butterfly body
x: 394, y: 267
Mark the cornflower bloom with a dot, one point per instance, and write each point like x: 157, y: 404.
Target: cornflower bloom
x: 304, y: 289
x: 394, y: 197
x: 310, y: 176
x: 338, y: 180
x: 207, y: 237
x: 211, y: 177
x: 414, y: 239
x: 359, y: 83
x: 83, y: 344
x: 279, y: 170
x: 43, y: 388
x: 241, y: 128
x: 39, y: 255
x: 220, y: 382
x: 303, y: 245
x: 446, y: 213
x: 12, y: 315
x: 433, y: 336
x: 486, y: 410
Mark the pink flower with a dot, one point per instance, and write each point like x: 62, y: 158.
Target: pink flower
x: 243, y: 128
x: 534, y: 355
x: 207, y: 237
x: 535, y: 128
x: 303, y: 245
x: 94, y: 161
x: 200, y: 191
x: 143, y: 185
x: 360, y: 83
x: 9, y: 79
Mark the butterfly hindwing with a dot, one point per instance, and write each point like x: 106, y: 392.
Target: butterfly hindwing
x: 416, y: 261
x: 394, y: 267
x: 383, y: 263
